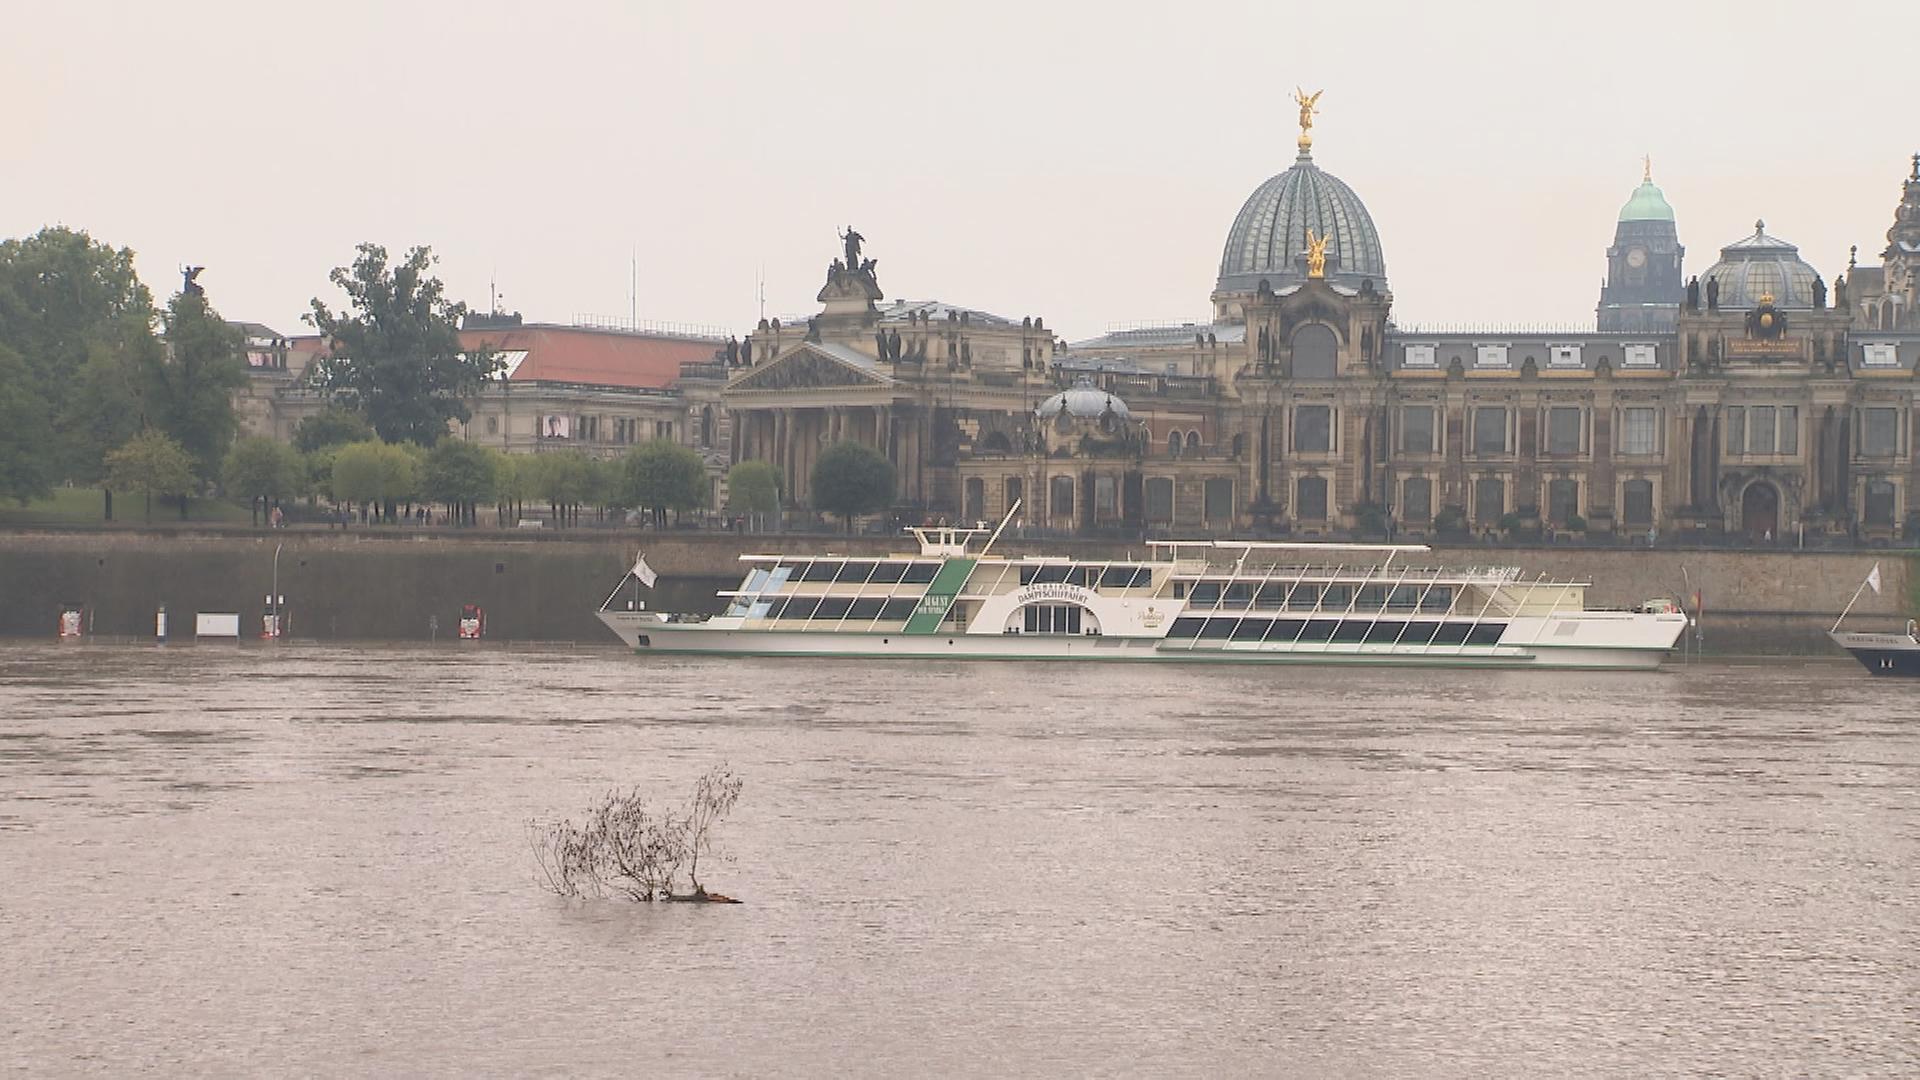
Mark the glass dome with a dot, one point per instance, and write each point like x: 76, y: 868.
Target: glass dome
x: 1761, y: 266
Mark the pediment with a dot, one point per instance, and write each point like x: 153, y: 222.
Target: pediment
x: 813, y: 367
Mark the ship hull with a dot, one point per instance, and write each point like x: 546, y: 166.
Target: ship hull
x: 1882, y: 654
x: 647, y: 632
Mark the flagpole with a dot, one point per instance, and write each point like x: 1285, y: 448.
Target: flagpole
x: 1856, y: 596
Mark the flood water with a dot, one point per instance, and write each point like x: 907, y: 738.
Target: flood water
x: 313, y: 860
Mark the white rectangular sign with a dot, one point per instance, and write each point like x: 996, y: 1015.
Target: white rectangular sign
x: 214, y: 624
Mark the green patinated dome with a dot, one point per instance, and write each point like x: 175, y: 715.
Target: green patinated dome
x: 1646, y: 204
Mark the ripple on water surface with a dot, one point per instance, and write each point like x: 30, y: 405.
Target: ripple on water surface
x: 312, y: 859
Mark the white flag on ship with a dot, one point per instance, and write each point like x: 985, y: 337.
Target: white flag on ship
x: 1873, y: 578
x: 647, y: 577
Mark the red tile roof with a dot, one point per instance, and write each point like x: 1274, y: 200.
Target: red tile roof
x: 600, y: 357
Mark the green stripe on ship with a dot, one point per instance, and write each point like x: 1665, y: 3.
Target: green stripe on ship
x: 938, y: 598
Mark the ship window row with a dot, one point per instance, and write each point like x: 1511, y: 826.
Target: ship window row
x: 1105, y: 577
x: 899, y: 609
x: 857, y: 572
x: 1437, y: 599
x: 1337, y: 631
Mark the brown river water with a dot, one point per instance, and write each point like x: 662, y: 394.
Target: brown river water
x: 312, y: 860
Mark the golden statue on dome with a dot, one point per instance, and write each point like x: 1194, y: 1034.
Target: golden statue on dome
x: 1307, y: 108
x: 1317, y: 254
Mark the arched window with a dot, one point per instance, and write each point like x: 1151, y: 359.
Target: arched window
x: 1193, y: 441
x: 1173, y: 443
x: 1060, y: 497
x: 1239, y: 443
x: 706, y: 425
x: 1310, y: 499
x: 1314, y: 352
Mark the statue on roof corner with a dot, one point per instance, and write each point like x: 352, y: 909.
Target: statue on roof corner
x: 190, y: 283
x: 853, y: 241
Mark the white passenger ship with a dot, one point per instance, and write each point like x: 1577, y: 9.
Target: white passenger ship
x: 1195, y: 601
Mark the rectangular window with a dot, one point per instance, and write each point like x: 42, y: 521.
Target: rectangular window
x: 1418, y: 356
x: 1416, y: 429
x: 1489, y: 430
x: 1313, y: 428
x: 1563, y: 430
x: 1789, y: 429
x: 1491, y: 356
x: 1637, y: 502
x: 1760, y: 429
x: 1563, y: 501
x: 1218, y: 505
x: 1416, y: 499
x: 1565, y: 356
x: 1879, y: 432
x: 1879, y: 355
x: 1879, y: 502
x: 1637, y: 431
x: 1736, y: 430
x: 1642, y: 356
x: 1489, y: 500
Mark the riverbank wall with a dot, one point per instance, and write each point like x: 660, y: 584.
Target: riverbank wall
x: 399, y: 585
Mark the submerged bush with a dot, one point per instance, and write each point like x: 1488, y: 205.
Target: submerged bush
x: 626, y: 847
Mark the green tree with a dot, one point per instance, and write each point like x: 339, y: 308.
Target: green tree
x: 335, y: 426
x: 190, y: 385
x: 662, y: 476
x: 850, y: 479
x: 375, y: 474
x: 25, y: 471
x: 462, y: 475
x: 152, y: 464
x: 606, y: 485
x: 518, y: 473
x: 263, y: 470
x: 76, y: 313
x: 753, y: 488
x: 564, y: 479
x: 397, y: 356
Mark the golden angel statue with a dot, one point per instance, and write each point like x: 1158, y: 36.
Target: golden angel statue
x: 1307, y: 102
x: 1317, y: 254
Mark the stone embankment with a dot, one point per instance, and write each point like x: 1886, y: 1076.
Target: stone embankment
x: 409, y: 586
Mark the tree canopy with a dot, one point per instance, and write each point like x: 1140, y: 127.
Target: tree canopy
x: 191, y: 384
x: 152, y: 464
x: 461, y: 474
x: 850, y: 479
x: 753, y: 487
x: 334, y: 426
x: 76, y: 315
x: 396, y: 348
x: 262, y: 468
x: 662, y: 476
x: 374, y: 472
x: 26, y: 473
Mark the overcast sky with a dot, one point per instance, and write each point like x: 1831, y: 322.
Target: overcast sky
x: 1079, y: 162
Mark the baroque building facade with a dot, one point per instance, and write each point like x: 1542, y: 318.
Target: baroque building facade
x: 1737, y: 401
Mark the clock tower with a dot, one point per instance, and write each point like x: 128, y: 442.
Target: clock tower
x: 1644, y: 287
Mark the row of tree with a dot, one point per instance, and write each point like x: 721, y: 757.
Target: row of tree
x: 87, y: 362
x: 97, y: 386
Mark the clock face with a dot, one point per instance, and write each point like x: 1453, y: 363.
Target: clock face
x: 1636, y: 258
